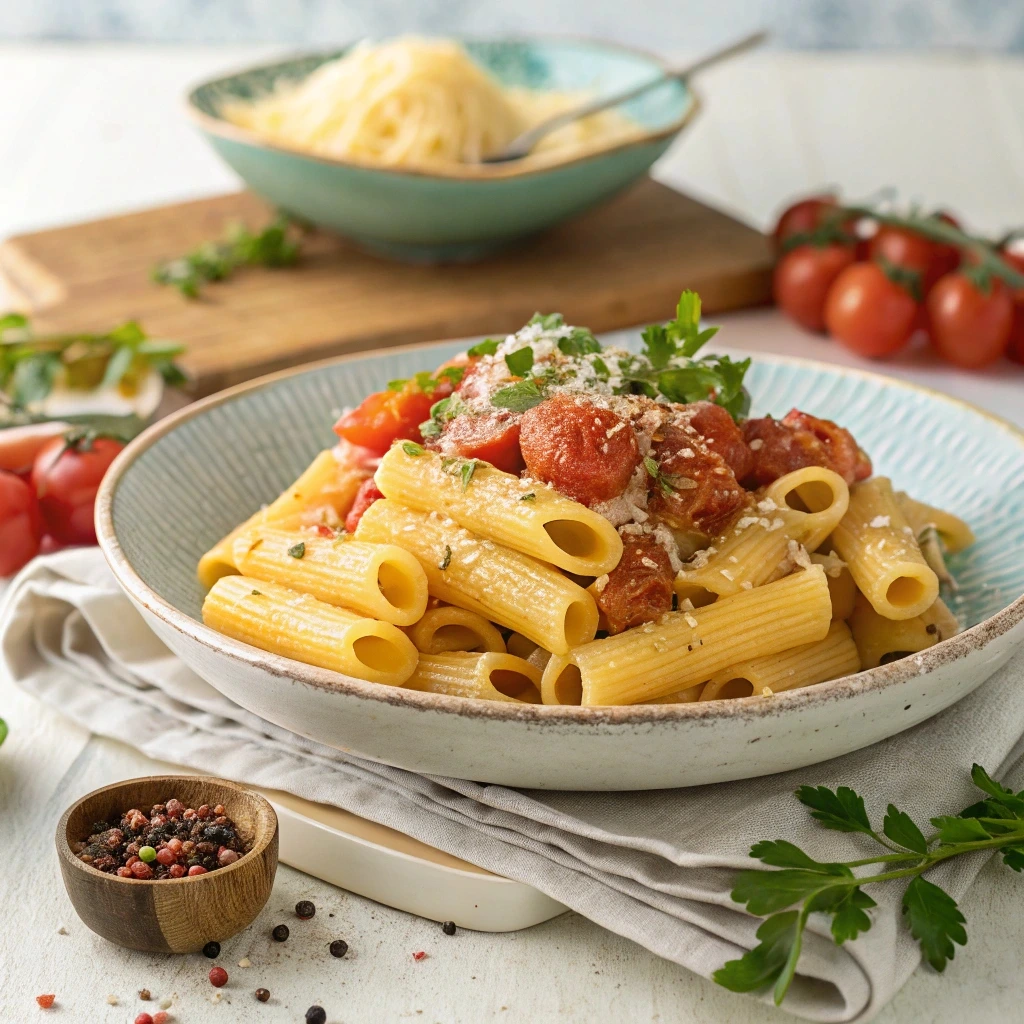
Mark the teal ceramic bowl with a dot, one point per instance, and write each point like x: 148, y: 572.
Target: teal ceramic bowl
x: 464, y: 212
x: 195, y: 475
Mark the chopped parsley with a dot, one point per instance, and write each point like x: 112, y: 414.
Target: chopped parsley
x: 668, y: 484
x: 427, y: 382
x: 547, y: 321
x: 519, y: 397
x: 447, y: 560
x: 466, y: 473
x: 257, y: 593
x: 440, y: 413
x: 298, y: 550
x: 529, y: 497
x: 487, y: 347
x: 413, y: 449
x: 580, y: 343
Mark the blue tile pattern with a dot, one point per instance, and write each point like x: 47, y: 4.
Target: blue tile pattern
x: 667, y: 25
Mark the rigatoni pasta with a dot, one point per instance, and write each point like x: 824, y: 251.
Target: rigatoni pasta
x: 447, y: 628
x: 490, y: 676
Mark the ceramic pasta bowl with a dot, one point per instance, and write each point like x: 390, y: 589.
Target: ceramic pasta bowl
x: 465, y: 211
x: 189, y: 479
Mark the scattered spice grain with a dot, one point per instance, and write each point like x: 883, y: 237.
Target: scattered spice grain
x: 304, y: 910
x: 211, y: 950
x: 218, y: 977
x: 338, y: 948
x: 280, y: 933
x: 316, y: 1015
x: 262, y: 994
x: 448, y: 927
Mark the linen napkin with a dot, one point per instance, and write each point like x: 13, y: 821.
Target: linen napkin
x: 656, y: 867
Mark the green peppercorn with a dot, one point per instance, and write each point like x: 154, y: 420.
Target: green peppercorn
x: 147, y: 853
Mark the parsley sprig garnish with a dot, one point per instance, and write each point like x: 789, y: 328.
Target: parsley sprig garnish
x: 802, y: 885
x: 32, y: 364
x: 216, y: 261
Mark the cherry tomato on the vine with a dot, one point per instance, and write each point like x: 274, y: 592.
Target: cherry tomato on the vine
x: 969, y: 324
x: 21, y: 524
x: 803, y: 217
x: 66, y: 475
x: 946, y: 258
x: 1015, y: 347
x: 803, y: 277
x: 869, y: 312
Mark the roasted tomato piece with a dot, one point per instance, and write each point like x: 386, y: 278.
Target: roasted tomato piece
x: 492, y: 438
x: 846, y: 456
x: 584, y: 452
x: 367, y: 494
x: 779, y: 450
x: 721, y: 434
x: 639, y: 588
x: 697, y: 492
x: 386, y: 416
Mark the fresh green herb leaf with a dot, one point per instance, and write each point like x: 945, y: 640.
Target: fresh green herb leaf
x: 580, y: 343
x: 848, y: 915
x: 529, y: 497
x: 900, y: 828
x: 487, y: 347
x: 518, y: 397
x: 842, y: 810
x: 960, y: 830
x: 257, y: 593
x: 934, y: 921
x: 782, y: 854
x: 547, y: 321
x: 12, y: 321
x: 466, y: 473
x: 297, y: 550
x: 651, y: 466
x: 413, y: 449
x: 398, y: 384
x: 118, y: 365
x: 430, y: 428
x: 447, y: 560
x: 762, y: 965
x: 520, y: 362
x: 453, y: 373
x: 33, y: 378
x: 600, y: 368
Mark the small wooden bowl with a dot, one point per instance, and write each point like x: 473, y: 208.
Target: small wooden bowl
x: 173, y: 915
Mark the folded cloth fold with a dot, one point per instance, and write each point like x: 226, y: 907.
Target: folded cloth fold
x: 656, y: 867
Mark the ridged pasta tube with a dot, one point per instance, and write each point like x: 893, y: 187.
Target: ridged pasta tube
x: 383, y: 581
x: 325, y: 489
x: 489, y: 676
x: 877, y: 543
x: 532, y: 518
x: 283, y: 621
x: 505, y: 586
x: 446, y: 629
x: 805, y: 665
x: 880, y: 640
x: 685, y: 648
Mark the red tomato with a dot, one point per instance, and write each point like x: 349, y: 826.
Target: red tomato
x: 868, y: 312
x: 946, y: 257
x: 1015, y: 347
x: 21, y: 523
x: 903, y: 248
x: 492, y: 439
x: 66, y: 475
x: 968, y: 326
x: 367, y: 494
x: 803, y: 277
x: 20, y: 445
x: 803, y: 217
x: 385, y: 417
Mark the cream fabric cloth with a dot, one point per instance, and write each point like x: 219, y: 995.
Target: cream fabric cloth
x: 656, y: 867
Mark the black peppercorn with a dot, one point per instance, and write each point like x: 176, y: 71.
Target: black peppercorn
x: 305, y: 909
x: 212, y: 950
x: 280, y: 933
x: 316, y: 1015
x: 448, y: 927
x: 339, y: 947
x: 262, y: 995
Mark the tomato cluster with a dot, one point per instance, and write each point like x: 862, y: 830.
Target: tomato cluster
x: 873, y: 292
x: 47, y: 492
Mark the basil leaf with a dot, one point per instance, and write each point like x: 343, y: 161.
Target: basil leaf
x: 520, y: 362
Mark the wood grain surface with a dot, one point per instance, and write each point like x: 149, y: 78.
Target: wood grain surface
x: 178, y: 915
x: 622, y: 264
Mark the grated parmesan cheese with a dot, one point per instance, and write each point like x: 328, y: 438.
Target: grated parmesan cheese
x: 879, y: 522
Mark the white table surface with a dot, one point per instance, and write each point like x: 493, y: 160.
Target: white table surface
x: 87, y: 131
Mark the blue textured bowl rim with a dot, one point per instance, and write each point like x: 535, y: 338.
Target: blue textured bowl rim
x: 224, y: 129
x: 945, y: 652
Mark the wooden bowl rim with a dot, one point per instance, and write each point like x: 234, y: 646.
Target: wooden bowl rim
x: 267, y: 828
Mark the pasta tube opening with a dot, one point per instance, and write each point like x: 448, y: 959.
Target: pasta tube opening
x: 374, y: 652
x: 447, y: 629
x: 727, y: 689
x: 398, y: 585
x: 580, y: 622
x: 515, y: 684
x: 581, y: 540
x: 816, y: 499
x: 562, y: 682
x: 905, y: 591
x: 499, y: 677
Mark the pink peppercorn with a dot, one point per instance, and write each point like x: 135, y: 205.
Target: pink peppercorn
x: 45, y: 1001
x: 197, y: 869
x: 125, y: 872
x: 144, y: 1018
x: 219, y: 810
x: 166, y: 856
x: 218, y: 977
x: 226, y: 857
x: 204, y: 811
x: 140, y: 869
x: 174, y: 844
x: 174, y: 808
x: 177, y: 871
x: 161, y: 1017
x: 419, y: 955
x: 133, y: 859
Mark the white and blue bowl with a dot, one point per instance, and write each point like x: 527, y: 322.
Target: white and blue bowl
x: 460, y: 212
x: 192, y: 477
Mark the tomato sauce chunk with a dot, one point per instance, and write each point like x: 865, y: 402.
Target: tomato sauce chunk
x: 639, y: 588
x: 367, y: 494
x: 721, y: 434
x: 584, y: 452
x: 799, y: 440
x: 492, y: 438
x: 699, y: 492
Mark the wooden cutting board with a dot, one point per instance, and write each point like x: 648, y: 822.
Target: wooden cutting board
x: 621, y: 264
